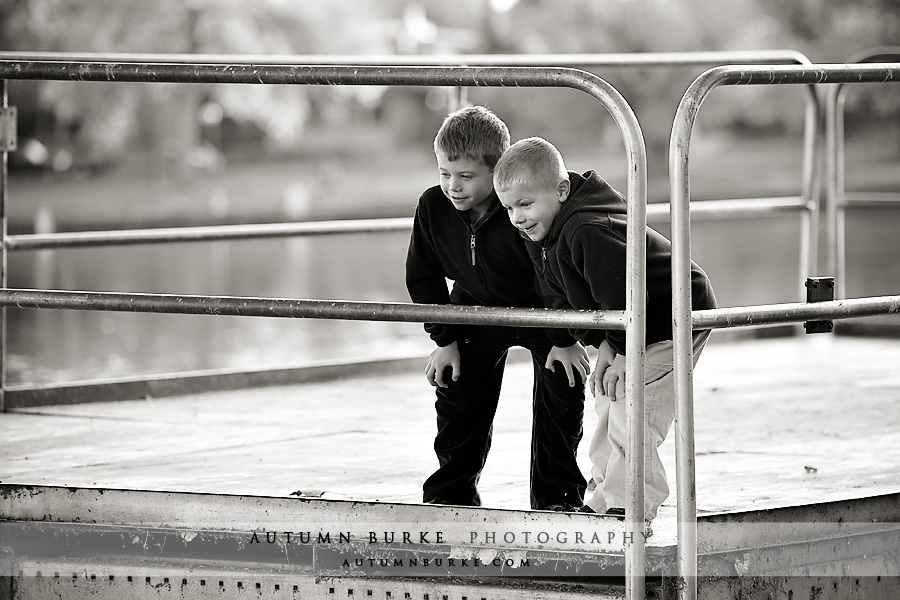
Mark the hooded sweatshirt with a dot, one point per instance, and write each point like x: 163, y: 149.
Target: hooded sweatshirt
x: 581, y: 263
x: 487, y: 262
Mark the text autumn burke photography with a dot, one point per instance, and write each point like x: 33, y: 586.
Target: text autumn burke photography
x: 524, y: 538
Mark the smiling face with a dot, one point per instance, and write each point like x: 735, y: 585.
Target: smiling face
x: 467, y: 183
x: 532, y: 208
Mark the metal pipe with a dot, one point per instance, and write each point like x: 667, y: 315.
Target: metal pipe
x: 794, y: 312
x: 645, y: 59
x: 311, y: 309
x: 656, y: 213
x: 679, y: 150
x: 635, y: 354
x: 4, y: 230
x: 308, y: 75
x: 81, y: 239
x: 836, y: 193
x: 812, y: 154
x: 611, y: 99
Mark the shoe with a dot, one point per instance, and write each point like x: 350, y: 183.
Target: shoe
x: 616, y: 512
x: 565, y: 508
x: 587, y: 509
x: 438, y: 501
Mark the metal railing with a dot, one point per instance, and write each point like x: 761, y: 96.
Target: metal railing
x: 686, y: 320
x: 632, y: 319
x: 837, y: 200
x: 376, y: 71
x: 806, y: 204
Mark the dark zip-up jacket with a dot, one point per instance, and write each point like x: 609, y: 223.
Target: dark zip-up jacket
x: 487, y: 262
x: 581, y: 262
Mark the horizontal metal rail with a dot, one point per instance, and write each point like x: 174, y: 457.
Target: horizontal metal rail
x: 656, y: 213
x: 679, y: 151
x: 717, y: 318
x: 793, y: 312
x: 160, y: 235
x: 312, y: 309
x: 641, y: 59
x: 873, y: 199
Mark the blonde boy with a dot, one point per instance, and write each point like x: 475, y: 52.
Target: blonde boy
x: 576, y: 230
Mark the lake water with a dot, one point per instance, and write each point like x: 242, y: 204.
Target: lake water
x: 66, y: 345
x: 750, y: 262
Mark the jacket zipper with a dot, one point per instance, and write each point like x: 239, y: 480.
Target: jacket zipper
x: 472, y: 246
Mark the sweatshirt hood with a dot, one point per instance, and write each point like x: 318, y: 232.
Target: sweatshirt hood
x: 588, y: 192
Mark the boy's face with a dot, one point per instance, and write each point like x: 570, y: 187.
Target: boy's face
x: 467, y: 183
x: 532, y: 209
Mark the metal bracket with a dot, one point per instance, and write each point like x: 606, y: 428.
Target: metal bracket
x: 8, y: 137
x: 819, y: 289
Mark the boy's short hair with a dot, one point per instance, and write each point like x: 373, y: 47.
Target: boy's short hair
x: 532, y: 162
x: 474, y: 132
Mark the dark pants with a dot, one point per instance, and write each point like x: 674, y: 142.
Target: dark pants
x: 465, y: 416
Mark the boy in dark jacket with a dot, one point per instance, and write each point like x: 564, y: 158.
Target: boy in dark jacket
x: 462, y: 234
x: 576, y: 225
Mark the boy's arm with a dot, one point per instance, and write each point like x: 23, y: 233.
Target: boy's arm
x: 599, y: 255
x: 560, y: 337
x: 425, y: 277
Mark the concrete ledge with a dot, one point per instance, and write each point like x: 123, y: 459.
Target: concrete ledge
x: 193, y: 382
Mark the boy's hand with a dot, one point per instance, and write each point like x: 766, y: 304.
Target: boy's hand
x: 605, y: 357
x: 614, y: 379
x: 440, y: 359
x: 573, y: 358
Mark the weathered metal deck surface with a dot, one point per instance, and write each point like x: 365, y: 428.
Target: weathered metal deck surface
x: 792, y: 434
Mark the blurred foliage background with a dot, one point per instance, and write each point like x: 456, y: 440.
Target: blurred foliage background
x: 175, y: 130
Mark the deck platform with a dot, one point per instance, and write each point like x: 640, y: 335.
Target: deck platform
x: 803, y: 428
x: 779, y: 422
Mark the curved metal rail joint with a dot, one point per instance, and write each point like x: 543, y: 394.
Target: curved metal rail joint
x: 679, y: 150
x: 611, y: 99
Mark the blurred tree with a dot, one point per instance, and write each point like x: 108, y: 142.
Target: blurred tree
x: 100, y: 120
x: 106, y: 118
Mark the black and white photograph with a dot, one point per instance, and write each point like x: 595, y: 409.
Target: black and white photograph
x: 481, y: 300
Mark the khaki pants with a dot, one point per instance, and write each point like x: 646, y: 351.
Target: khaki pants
x: 607, y: 450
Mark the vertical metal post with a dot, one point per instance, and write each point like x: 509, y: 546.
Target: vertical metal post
x: 840, y: 247
x: 812, y: 154
x: 683, y: 348
x: 4, y: 230
x: 684, y: 373
x: 836, y: 196
x: 635, y: 344
x: 834, y: 177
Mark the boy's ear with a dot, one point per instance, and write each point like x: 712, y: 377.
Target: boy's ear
x: 562, y: 189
